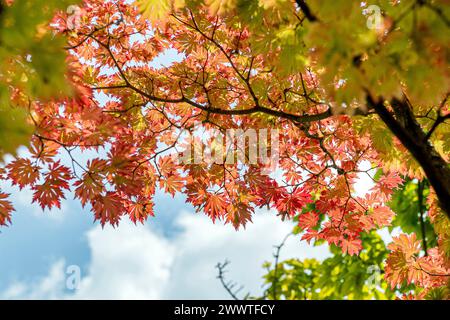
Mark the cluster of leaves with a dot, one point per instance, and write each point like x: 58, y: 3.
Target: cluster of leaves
x: 423, y: 262
x: 429, y: 273
x: 411, y: 271
x: 334, y: 89
x: 32, y: 65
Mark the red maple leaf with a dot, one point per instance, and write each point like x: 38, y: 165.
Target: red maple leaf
x: 5, y: 209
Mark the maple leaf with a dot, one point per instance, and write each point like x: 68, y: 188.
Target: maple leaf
x: 398, y: 269
x: 172, y: 184
x: 308, y: 220
x: 239, y: 214
x: 382, y: 215
x: 215, y: 206
x: 22, y: 172
x: 351, y: 246
x: 387, y: 183
x: 159, y: 10
x: 401, y: 262
x: 293, y: 202
x: 108, y: 208
x: 5, y: 209
x: 50, y: 193
x: 139, y: 211
x: 91, y: 185
x: 332, y: 235
x: 166, y: 166
x: 408, y: 244
x: 310, y: 234
x: 88, y: 188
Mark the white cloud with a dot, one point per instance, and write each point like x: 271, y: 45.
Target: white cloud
x: 128, y: 262
x: 138, y: 263
x: 50, y: 287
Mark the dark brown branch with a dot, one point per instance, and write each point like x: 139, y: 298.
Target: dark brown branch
x: 406, y: 128
x: 432, y: 274
x: 306, y: 11
x: 438, y: 121
x: 437, y: 10
x: 237, y: 112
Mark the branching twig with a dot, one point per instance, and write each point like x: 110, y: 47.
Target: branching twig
x: 228, y: 285
x: 277, y: 258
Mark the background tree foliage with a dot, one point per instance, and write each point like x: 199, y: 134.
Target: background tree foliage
x: 32, y: 65
x: 339, y: 277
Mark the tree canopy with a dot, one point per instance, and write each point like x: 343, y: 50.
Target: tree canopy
x: 350, y: 89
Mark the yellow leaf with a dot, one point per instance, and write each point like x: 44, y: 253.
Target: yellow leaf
x: 221, y: 6
x: 159, y: 10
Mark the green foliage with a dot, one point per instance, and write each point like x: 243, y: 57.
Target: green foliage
x: 32, y: 65
x: 339, y: 277
x: 14, y: 130
x: 405, y: 202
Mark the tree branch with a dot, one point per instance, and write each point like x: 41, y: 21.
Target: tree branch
x: 277, y: 258
x: 406, y: 128
x: 306, y: 11
x: 229, y: 286
x: 438, y: 121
